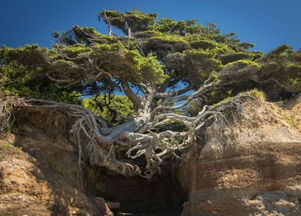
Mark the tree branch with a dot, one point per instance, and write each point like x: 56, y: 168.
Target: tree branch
x: 174, y: 93
x: 130, y: 94
x: 206, y: 87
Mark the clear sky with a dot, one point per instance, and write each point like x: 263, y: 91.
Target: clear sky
x: 267, y: 23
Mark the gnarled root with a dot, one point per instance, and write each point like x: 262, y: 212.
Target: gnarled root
x: 117, y: 148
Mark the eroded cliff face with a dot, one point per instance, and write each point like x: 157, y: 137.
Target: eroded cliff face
x: 250, y: 166
x: 39, y: 175
x: 244, y: 162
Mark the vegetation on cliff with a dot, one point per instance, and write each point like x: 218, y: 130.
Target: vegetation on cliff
x: 137, y: 99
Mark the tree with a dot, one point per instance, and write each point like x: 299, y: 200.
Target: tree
x: 159, y: 67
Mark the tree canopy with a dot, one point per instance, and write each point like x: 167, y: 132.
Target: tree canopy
x: 142, y: 95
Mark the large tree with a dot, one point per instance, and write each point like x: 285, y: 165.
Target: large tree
x: 137, y: 98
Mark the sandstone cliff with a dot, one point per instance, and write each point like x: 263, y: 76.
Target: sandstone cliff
x: 246, y: 162
x: 38, y: 171
x: 249, y: 166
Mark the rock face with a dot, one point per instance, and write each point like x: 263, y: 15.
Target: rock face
x: 249, y: 166
x: 244, y: 162
x: 39, y: 173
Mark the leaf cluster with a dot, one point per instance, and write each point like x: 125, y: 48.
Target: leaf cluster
x: 161, y: 52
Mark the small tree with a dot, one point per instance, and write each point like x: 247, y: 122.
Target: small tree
x: 158, y: 68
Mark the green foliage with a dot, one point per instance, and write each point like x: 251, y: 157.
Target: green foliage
x: 285, y: 48
x: 231, y: 57
x: 167, y: 48
x: 151, y: 69
x: 146, y: 69
x: 168, y: 25
x: 166, y: 38
x: 28, y: 55
x: 244, y: 62
x: 161, y: 44
x: 22, y: 74
x: 85, y: 61
x: 193, y: 65
x: 284, y: 64
x: 204, y: 44
x: 71, y: 50
x: 134, y: 19
x: 246, y: 45
x: 114, y: 109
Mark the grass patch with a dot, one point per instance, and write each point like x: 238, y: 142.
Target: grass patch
x: 257, y: 94
x: 8, y: 149
x: 291, y: 120
x: 254, y: 93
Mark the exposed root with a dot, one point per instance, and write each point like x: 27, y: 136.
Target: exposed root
x: 7, y: 105
x: 227, y: 114
x: 99, y: 144
x: 117, y: 148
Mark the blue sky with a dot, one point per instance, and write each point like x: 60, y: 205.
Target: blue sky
x: 267, y: 23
